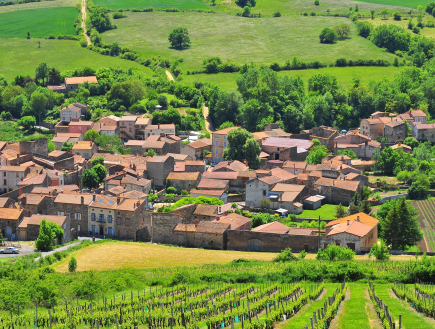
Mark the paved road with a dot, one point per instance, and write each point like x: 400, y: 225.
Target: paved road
x: 24, y: 250
x: 46, y: 253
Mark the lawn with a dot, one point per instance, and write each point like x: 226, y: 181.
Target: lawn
x: 40, y: 22
x: 156, y: 4
x: 21, y: 56
x: 327, y: 211
x: 119, y: 255
x: 344, y: 75
x: 242, y: 40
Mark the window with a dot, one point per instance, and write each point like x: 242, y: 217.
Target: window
x: 127, y: 222
x: 4, y: 174
x: 217, y: 136
x: 217, y: 152
x: 93, y: 217
x: 118, y: 220
x: 63, y: 112
x: 130, y: 123
x: 69, y: 112
x: 109, y: 218
x: 64, y: 226
x: 109, y: 231
x: 80, y: 128
x: 217, y: 143
x: 225, y: 144
x: 4, y: 182
x: 78, y: 216
x: 421, y: 120
x: 68, y: 214
x: 61, y: 213
x: 264, y: 192
x: 225, y: 137
x: 101, y: 217
x: 78, y: 227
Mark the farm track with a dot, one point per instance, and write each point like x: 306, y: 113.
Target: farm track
x: 84, y: 22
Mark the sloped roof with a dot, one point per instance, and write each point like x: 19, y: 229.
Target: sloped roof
x: 301, y: 144
x: 274, y: 227
x: 281, y: 173
x: 205, y: 210
x: 282, y: 187
x: 208, y: 193
x: 79, y: 80
x: 36, y: 219
x: 221, y: 175
x: 213, y: 183
x: 355, y: 228
x: 183, y: 176
x: 235, y: 220
x: 363, y: 218
x: 212, y: 227
x: 10, y: 213
x: 74, y: 198
x: 223, y: 131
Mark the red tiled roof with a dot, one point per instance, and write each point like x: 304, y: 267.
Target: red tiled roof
x: 281, y: 173
x: 208, y: 193
x: 183, y: 176
x: 212, y: 227
x: 220, y: 175
x: 301, y: 144
x: 363, y: 218
x: 213, y: 183
x: 355, y: 228
x: 205, y: 210
x: 235, y: 220
x: 180, y: 166
x: 274, y: 227
x: 10, y: 213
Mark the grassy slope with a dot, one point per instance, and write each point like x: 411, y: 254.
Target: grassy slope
x: 426, y: 32
x: 344, y: 75
x: 403, y: 3
x: 45, y: 21
x: 115, y: 255
x: 157, y: 4
x: 242, y: 40
x: 42, y: 4
x: 21, y: 56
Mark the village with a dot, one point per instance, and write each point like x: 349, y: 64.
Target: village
x: 133, y: 201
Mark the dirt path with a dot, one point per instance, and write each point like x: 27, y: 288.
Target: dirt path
x: 334, y: 322
x: 206, y: 113
x: 169, y: 75
x: 84, y: 22
x: 375, y: 322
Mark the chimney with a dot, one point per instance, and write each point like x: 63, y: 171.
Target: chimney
x: 94, y: 197
x: 23, y: 200
x: 21, y: 191
x: 342, y: 158
x: 196, y: 222
x: 57, y: 149
x: 82, y: 201
x: 118, y: 200
x: 137, y: 175
x: 218, y: 217
x: 348, y: 222
x: 357, y: 218
x: 22, y: 178
x: 226, y: 212
x: 333, y: 183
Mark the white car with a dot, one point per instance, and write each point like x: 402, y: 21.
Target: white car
x: 9, y: 250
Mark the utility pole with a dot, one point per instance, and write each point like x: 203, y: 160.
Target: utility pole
x: 318, y: 237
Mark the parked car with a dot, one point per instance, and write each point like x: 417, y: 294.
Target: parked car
x: 9, y: 250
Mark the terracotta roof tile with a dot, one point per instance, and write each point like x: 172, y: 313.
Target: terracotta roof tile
x: 235, y: 220
x: 10, y: 213
x: 363, y: 218
x: 205, y: 210
x: 212, y: 227
x: 213, y: 183
x: 274, y: 227
x: 229, y: 175
x: 355, y: 228
x: 183, y: 176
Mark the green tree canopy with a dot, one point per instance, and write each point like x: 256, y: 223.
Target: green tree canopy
x: 328, y: 35
x: 90, y: 179
x: 91, y: 135
x: 101, y: 172
x: 179, y: 38
x: 97, y: 161
x: 242, y: 146
x: 48, y: 231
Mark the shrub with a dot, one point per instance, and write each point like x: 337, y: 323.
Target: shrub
x: 341, y: 62
x: 285, y: 256
x: 397, y: 16
x: 379, y: 251
x: 328, y: 36
x: 277, y: 14
x: 364, y: 28
x: 317, y: 2
x: 184, y: 192
x: 171, y: 190
x: 333, y: 252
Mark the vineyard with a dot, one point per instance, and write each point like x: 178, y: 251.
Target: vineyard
x: 426, y: 211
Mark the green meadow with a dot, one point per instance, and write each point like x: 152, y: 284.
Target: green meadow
x: 21, y: 56
x: 157, y: 4
x: 239, y: 39
x: 39, y: 22
x: 344, y: 75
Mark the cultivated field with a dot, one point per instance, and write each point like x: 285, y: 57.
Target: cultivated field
x: 426, y: 211
x: 239, y: 39
x: 156, y: 4
x: 40, y: 22
x: 21, y: 56
x: 42, y: 4
x: 344, y: 75
x: 116, y: 255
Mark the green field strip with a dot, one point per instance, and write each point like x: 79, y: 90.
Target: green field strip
x: 157, y: 4
x: 303, y: 317
x: 430, y: 234
x: 354, y: 314
x: 410, y: 319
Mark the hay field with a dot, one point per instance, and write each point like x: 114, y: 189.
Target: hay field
x: 119, y: 255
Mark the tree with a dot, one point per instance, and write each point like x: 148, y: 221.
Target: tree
x: 339, y: 211
x: 333, y: 252
x: 90, y: 179
x: 112, y: 143
x: 387, y: 161
x: 97, y: 161
x: 264, y: 203
x: 115, y: 49
x: 246, y: 11
x: 66, y: 147
x: 342, y: 30
x: 417, y: 191
x: 379, y: 251
x: 179, y: 38
x: 72, y: 265
x: 353, y: 209
x: 351, y: 154
x: 316, y: 153
x: 328, y: 36
x: 150, y: 153
x: 400, y: 228
x: 101, y: 172
x: 285, y: 255
x: 54, y: 77
x: 384, y: 12
x: 364, y: 28
x: 392, y: 37
x: 242, y: 146
x: 212, y: 65
x: 91, y: 135
x: 41, y: 73
x: 226, y: 124
x: 48, y: 231
x: 411, y: 141
x: 27, y: 122
x: 244, y: 3
x: 373, y: 13
x: 38, y: 102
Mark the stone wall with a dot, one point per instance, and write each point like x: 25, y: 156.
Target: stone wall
x: 162, y: 226
x: 65, y: 164
x: 144, y: 233
x: 45, y: 207
x: 14, y: 194
x: 259, y: 241
x: 80, y: 226
x: 38, y: 146
x: 199, y: 240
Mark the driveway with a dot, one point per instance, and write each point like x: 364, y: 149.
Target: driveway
x: 24, y: 250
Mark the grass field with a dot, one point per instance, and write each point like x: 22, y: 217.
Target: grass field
x: 157, y: 4
x: 43, y: 22
x: 21, y: 56
x: 116, y: 255
x: 327, y: 211
x: 344, y: 75
x: 401, y: 3
x: 42, y: 4
x: 239, y: 39
x: 297, y: 7
x: 426, y: 32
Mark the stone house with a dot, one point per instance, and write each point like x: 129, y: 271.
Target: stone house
x: 174, y: 143
x: 195, y: 166
x: 158, y: 168
x: 110, y: 120
x: 325, y: 135
x: 127, y: 127
x: 140, y: 125
x: 132, y: 219
x: 236, y: 221
x: 207, y: 235
x: 196, y: 149
x: 75, y: 111
x: 6, y: 202
x: 75, y: 207
x: 102, y: 215
x: 37, y: 203
x: 214, y: 184
x: 230, y: 166
x: 424, y: 132
x: 179, y: 157
x: 337, y: 191
x: 136, y: 184
x: 417, y: 116
x: 11, y: 176
x: 85, y: 148
x: 358, y: 232
x: 205, y: 212
x: 159, y: 130
x: 73, y: 83
x: 219, y: 143
x: 155, y: 143
x: 287, y: 148
x: 135, y: 146
x: 375, y: 127
x: 41, y: 180
x: 9, y: 221
x: 29, y: 227
x: 107, y: 130
x: 184, y: 180
x: 395, y: 131
x: 286, y: 195
x: 220, y: 194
